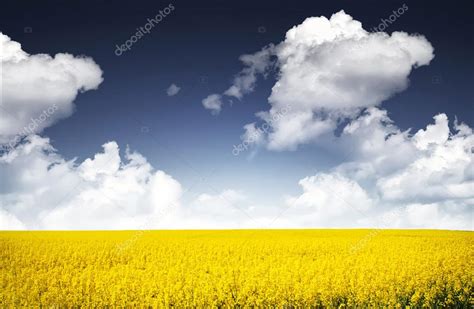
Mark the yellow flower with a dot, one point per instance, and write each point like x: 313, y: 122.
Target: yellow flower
x: 247, y: 268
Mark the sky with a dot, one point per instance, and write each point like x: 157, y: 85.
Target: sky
x: 236, y: 115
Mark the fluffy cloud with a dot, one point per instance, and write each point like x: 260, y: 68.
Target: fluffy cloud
x: 375, y: 146
x: 329, y: 200
x: 213, y: 102
x: 334, y: 65
x: 331, y: 193
x: 37, y: 90
x: 421, y: 180
x: 254, y: 65
x: 42, y: 190
x: 172, y: 90
x: 433, y: 164
x: 442, y: 169
x: 330, y: 69
x: 245, y: 81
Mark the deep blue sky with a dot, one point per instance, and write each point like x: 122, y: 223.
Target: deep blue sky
x: 197, y: 47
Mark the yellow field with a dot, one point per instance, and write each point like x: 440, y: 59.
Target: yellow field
x: 300, y: 268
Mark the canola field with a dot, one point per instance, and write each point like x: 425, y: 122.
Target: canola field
x: 246, y: 268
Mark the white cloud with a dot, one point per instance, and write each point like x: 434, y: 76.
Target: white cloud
x: 427, y: 179
x: 421, y: 180
x: 297, y: 128
x: 172, y: 90
x: 245, y: 81
x: 434, y: 134
x: 37, y: 90
x: 42, y: 190
x: 255, y: 64
x: 375, y: 146
x: 252, y: 135
x: 434, y: 164
x: 330, y: 69
x: 332, y: 194
x: 213, y: 102
x: 442, y: 168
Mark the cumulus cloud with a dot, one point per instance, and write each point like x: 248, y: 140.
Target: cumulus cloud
x: 332, y: 71
x: 328, y: 70
x: 375, y: 145
x: 329, y: 199
x: 434, y: 164
x: 254, y: 65
x: 39, y: 89
x: 42, y: 190
x: 213, y: 102
x: 331, y: 193
x: 442, y: 169
x: 172, y: 90
x: 421, y: 180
